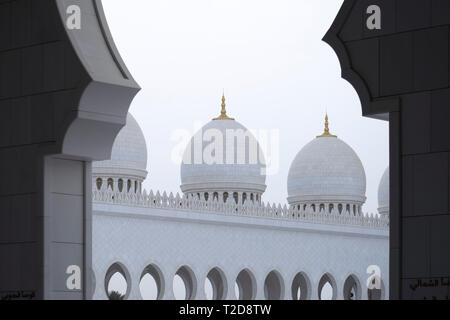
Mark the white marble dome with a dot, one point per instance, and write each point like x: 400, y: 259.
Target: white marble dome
x: 326, y: 170
x: 383, y: 193
x: 221, y: 172
x: 128, y: 157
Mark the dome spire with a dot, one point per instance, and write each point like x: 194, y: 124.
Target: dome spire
x: 326, y: 131
x: 223, y: 112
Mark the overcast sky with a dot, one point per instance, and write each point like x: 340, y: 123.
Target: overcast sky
x: 268, y: 57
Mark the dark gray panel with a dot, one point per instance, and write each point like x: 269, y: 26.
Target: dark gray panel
x: 10, y: 80
x: 21, y: 218
x: 5, y: 26
x: 440, y: 12
x: 431, y: 184
x: 21, y: 23
x: 44, y: 25
x: 5, y: 121
x: 440, y: 113
x: 431, y: 55
x: 396, y: 64
x: 413, y: 14
x: 21, y: 117
x: 54, y: 66
x: 415, y: 251
x: 395, y: 178
x: 18, y: 176
x: 24, y: 175
x: 16, y: 269
x: 440, y: 239
x: 353, y: 27
x: 407, y: 186
x: 42, y: 112
x: 416, y: 120
x: 394, y: 271
x: 365, y: 61
x: 32, y: 70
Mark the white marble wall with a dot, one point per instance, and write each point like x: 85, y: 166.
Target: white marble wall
x: 137, y: 236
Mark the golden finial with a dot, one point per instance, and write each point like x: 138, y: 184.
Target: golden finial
x: 326, y: 131
x: 223, y: 112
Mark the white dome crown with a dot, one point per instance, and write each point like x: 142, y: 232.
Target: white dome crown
x: 223, y: 158
x: 383, y: 194
x: 327, y: 170
x: 128, y: 157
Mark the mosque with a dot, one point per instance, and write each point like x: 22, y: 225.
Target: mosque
x: 218, y: 233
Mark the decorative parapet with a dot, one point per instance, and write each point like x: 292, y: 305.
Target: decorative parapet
x: 230, y: 207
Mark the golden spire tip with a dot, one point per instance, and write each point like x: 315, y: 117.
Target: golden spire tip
x: 223, y: 112
x: 326, y: 131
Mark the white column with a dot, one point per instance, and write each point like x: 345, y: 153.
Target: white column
x: 135, y: 293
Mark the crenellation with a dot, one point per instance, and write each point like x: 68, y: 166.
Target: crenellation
x: 229, y: 207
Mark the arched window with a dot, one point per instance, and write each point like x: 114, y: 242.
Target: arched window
x: 184, y: 284
x: 215, y: 285
x: 151, y: 285
x: 215, y: 196
x: 347, y: 208
x: 235, y: 197
x: 274, y: 286
x: 245, y: 285
x: 99, y: 183
x: 322, y: 207
x: 340, y: 207
x: 225, y: 196
x: 327, y: 288
x: 252, y: 198
x: 111, y: 183
x: 206, y: 195
x: 313, y: 206
x: 352, y: 288
x: 128, y: 185
x: 120, y: 185
x: 330, y: 208
x: 354, y: 210
x: 135, y: 186
x: 304, y: 207
x: 117, y: 282
x: 301, y: 287
x: 244, y: 197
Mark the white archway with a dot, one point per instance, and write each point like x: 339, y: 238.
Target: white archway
x: 301, y: 287
x: 274, y: 286
x: 117, y: 282
x: 245, y: 285
x: 217, y: 281
x: 327, y: 289
x: 185, y: 277
x: 352, y: 288
x: 151, y: 285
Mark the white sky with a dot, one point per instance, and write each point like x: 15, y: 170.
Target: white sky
x: 268, y: 57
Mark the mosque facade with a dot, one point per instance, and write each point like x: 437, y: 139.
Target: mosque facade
x: 219, y: 230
